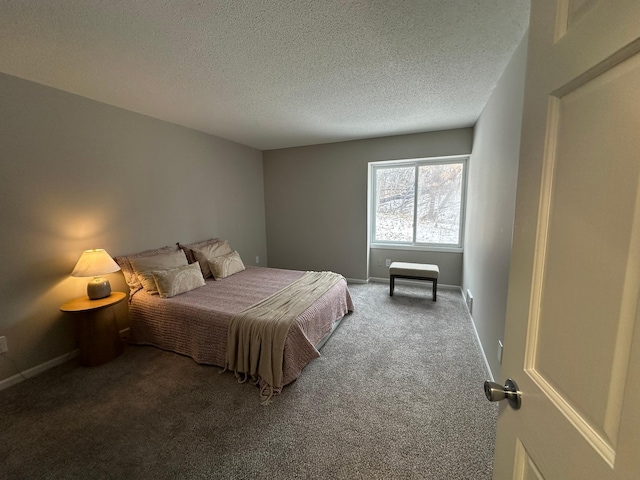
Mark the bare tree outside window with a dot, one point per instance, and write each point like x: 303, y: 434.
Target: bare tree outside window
x: 439, y: 197
x: 395, y: 195
x: 432, y: 216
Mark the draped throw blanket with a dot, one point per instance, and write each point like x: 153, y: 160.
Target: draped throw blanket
x: 256, y: 337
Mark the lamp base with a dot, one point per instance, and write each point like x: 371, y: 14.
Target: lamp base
x: 99, y: 287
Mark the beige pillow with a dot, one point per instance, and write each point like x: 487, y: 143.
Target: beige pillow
x: 203, y: 254
x: 144, y: 267
x: 226, y: 265
x: 178, y: 280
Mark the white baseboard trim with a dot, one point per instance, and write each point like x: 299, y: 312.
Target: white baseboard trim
x: 43, y: 367
x: 475, y: 330
x: 355, y: 280
x: 38, y: 369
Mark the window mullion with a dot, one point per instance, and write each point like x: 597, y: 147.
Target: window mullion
x: 374, y: 204
x: 415, y: 204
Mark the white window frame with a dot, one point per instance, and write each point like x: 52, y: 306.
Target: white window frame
x: 413, y: 245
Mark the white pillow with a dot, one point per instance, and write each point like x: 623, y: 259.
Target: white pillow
x: 210, y: 251
x: 226, y: 265
x: 145, y: 266
x: 178, y: 280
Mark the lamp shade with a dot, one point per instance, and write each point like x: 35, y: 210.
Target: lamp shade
x: 94, y: 263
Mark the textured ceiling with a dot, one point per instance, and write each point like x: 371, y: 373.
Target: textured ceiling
x: 271, y: 74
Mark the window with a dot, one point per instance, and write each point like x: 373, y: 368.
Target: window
x: 418, y: 203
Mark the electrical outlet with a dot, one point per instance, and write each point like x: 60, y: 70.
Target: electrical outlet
x: 388, y: 262
x: 500, y: 347
x: 257, y: 259
x: 3, y: 345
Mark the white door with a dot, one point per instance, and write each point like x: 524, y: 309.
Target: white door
x: 572, y: 341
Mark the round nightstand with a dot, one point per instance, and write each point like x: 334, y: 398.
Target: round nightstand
x: 96, y: 327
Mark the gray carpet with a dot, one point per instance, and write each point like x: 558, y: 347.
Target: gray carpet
x: 397, y: 393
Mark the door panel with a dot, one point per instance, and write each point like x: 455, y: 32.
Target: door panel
x: 589, y: 277
x: 572, y: 339
x: 577, y: 9
x: 525, y: 467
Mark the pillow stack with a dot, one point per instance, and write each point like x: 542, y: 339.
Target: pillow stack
x: 216, y: 258
x: 167, y: 274
x: 204, y: 254
x: 170, y: 271
x: 130, y: 275
x: 145, y: 267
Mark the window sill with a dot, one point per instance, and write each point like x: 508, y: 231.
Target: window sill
x: 418, y: 248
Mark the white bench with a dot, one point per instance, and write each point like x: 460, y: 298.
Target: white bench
x: 413, y: 271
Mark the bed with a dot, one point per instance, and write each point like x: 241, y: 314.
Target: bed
x: 197, y: 322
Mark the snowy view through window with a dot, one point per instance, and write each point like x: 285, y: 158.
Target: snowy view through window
x: 438, y: 206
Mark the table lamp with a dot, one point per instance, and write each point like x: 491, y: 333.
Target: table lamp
x: 95, y: 263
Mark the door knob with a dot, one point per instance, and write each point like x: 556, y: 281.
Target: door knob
x: 496, y: 392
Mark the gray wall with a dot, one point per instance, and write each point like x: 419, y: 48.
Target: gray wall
x: 491, y: 194
x: 78, y: 174
x: 449, y: 264
x: 316, y: 199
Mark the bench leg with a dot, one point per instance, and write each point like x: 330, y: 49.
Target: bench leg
x: 435, y: 288
x: 392, y: 284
